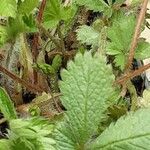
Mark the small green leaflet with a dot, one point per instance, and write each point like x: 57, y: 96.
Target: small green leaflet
x: 6, y: 105
x: 56, y: 12
x: 3, y: 35
x: 142, y: 50
x: 100, y: 5
x: 15, y: 27
x: 84, y: 86
x: 96, y: 5
x: 29, y: 134
x: 56, y: 63
x: 26, y: 6
x: 120, y: 35
x: 8, y: 8
x: 87, y: 35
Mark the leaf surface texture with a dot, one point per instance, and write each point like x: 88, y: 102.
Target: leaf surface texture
x: 85, y: 85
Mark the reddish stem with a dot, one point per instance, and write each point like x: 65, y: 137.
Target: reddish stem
x: 21, y: 81
x: 36, y: 44
x: 136, y: 35
x: 132, y: 74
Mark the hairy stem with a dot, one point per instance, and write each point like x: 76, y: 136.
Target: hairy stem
x: 132, y: 74
x: 133, y: 95
x: 21, y: 81
x: 47, y: 34
x: 36, y: 39
x: 61, y: 38
x: 41, y: 11
x: 136, y: 34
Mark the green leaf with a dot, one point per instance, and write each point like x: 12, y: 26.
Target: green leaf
x: 15, y: 27
x: 87, y: 35
x: 120, y: 35
x: 119, y: 2
x: 45, y: 68
x: 134, y: 3
x: 3, y: 35
x: 116, y: 111
x: 57, y: 62
x: 68, y: 12
x: 84, y: 87
x: 29, y: 20
x: 33, y: 133
x: 27, y: 6
x: 120, y: 61
x: 50, y: 24
x: 6, y: 105
x: 53, y: 11
x: 129, y: 133
x: 96, y: 5
x: 8, y: 8
x: 142, y: 51
x: 4, y: 144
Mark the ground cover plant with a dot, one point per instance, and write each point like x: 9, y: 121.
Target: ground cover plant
x: 67, y: 75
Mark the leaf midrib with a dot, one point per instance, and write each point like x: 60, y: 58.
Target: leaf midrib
x: 125, y: 139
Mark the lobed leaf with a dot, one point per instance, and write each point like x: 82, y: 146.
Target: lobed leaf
x: 87, y: 35
x: 120, y: 35
x: 129, y: 133
x: 8, y: 8
x: 96, y: 5
x: 142, y: 51
x: 33, y: 133
x: 26, y: 6
x: 85, y: 85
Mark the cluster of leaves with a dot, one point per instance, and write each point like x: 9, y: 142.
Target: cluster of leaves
x: 18, y: 16
x: 31, y: 133
x: 50, y: 69
x: 119, y: 33
x: 34, y: 133
x: 86, y: 83
x: 86, y: 102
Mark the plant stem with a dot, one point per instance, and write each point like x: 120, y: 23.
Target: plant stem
x: 61, y: 38
x: 21, y: 81
x: 41, y: 11
x: 135, y: 40
x: 132, y: 74
x: 47, y: 34
x: 36, y: 39
x: 136, y: 35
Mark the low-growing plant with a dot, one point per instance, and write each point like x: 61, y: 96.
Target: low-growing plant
x: 86, y: 101
x: 97, y: 113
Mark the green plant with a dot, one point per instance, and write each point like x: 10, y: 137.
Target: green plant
x: 34, y: 133
x: 6, y: 105
x: 29, y: 133
x: 86, y: 101
x: 120, y: 34
x: 98, y: 115
x: 19, y: 18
